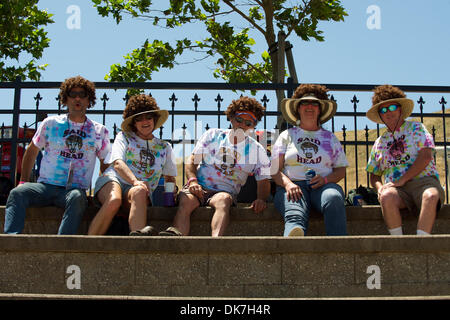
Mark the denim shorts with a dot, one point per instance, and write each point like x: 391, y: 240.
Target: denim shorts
x: 104, y: 179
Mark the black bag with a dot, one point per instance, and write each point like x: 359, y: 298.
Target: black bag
x: 362, y: 196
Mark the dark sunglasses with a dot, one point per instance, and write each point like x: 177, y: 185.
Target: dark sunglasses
x: 248, y: 123
x: 309, y: 103
x: 74, y: 94
x: 143, y: 117
x: 390, y: 108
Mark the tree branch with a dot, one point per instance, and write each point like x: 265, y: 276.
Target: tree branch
x: 243, y: 15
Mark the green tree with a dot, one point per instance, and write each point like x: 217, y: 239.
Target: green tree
x: 22, y: 37
x: 231, y: 45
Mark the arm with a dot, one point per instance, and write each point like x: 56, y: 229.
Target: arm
x: 122, y: 169
x: 262, y: 193
x: 293, y: 191
x: 337, y: 175
x: 103, y: 166
x: 29, y: 158
x: 191, y: 173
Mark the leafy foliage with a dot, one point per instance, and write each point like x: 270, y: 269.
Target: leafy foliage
x: 231, y: 46
x: 22, y: 32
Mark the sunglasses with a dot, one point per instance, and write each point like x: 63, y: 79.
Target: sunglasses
x: 248, y: 123
x: 309, y: 103
x: 74, y: 94
x: 143, y: 117
x: 390, y: 108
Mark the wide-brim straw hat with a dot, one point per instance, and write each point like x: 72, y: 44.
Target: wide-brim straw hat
x: 162, y: 117
x: 289, y: 109
x: 406, y: 105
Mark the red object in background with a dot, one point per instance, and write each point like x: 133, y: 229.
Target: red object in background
x: 5, y: 150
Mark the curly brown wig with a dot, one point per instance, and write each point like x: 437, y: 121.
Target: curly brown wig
x: 245, y: 104
x: 79, y: 82
x: 386, y: 92
x: 319, y: 91
x: 140, y: 103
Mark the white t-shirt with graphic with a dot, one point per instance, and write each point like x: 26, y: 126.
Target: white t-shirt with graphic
x: 303, y: 150
x: 147, y: 159
x: 225, y: 165
x: 68, y: 144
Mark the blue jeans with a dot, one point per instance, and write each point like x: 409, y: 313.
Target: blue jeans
x: 74, y: 201
x: 328, y: 199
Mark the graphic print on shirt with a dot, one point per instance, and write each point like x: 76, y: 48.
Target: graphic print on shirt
x: 74, y: 143
x: 147, y: 159
x: 397, y: 150
x: 309, y: 147
x: 228, y: 159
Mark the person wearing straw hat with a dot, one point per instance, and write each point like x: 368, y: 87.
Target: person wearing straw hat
x: 219, y: 166
x: 304, y: 149
x: 403, y: 156
x: 70, y: 145
x: 137, y: 161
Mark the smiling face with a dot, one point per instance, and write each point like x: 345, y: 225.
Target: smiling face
x: 145, y: 124
x: 309, y: 111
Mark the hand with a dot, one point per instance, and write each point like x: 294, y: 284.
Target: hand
x: 141, y: 184
x: 293, y: 192
x: 196, y: 190
x: 384, y: 187
x: 317, y: 182
x: 258, y: 205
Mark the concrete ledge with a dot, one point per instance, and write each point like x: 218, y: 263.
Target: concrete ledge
x: 244, y: 267
x: 365, y: 220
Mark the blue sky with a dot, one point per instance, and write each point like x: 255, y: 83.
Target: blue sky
x: 410, y: 48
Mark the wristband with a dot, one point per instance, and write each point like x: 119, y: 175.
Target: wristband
x: 326, y: 180
x: 21, y: 182
x: 190, y: 180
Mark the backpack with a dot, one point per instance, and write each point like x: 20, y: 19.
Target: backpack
x: 362, y: 196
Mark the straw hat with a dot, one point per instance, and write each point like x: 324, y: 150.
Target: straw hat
x: 407, y: 106
x: 289, y: 108
x: 162, y: 117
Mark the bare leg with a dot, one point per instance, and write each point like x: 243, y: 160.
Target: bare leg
x: 182, y: 221
x: 221, y: 202
x: 430, y: 199
x: 110, y: 196
x: 138, y: 200
x: 391, y: 203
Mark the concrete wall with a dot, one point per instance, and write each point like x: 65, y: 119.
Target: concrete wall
x: 365, y: 220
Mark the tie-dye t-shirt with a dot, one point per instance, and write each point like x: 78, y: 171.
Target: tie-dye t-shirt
x: 147, y: 159
x: 303, y: 150
x: 226, y: 166
x: 391, y: 157
x: 65, y: 142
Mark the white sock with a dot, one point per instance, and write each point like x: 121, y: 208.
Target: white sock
x: 422, y: 233
x: 396, y: 231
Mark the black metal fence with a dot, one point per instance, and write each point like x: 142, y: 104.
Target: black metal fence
x: 350, y: 125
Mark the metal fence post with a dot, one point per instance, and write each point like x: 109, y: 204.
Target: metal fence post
x: 15, y: 130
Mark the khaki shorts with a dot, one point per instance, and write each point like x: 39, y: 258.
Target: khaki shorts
x: 411, y: 193
x: 207, y: 195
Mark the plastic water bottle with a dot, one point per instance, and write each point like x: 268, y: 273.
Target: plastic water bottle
x: 309, y: 175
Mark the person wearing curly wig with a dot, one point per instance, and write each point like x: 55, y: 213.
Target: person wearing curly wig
x: 138, y: 159
x: 403, y: 155
x: 70, y: 143
x: 308, y: 147
x: 219, y: 166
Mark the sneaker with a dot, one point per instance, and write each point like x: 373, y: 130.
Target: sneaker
x: 146, y: 231
x: 296, y: 232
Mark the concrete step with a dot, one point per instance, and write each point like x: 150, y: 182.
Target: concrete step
x: 235, y: 267
x: 366, y: 220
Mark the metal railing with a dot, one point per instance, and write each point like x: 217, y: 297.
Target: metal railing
x: 356, y: 134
